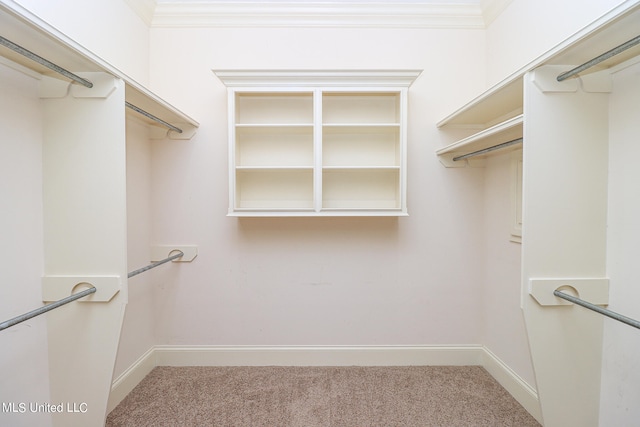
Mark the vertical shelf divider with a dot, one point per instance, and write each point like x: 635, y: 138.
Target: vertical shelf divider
x: 318, y: 136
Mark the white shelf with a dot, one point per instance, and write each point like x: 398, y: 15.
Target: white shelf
x: 508, y: 130
x: 373, y: 126
x: 499, y: 103
x: 273, y: 168
x: 362, y: 168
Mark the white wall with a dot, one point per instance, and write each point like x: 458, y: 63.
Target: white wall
x: 527, y: 29
x: 317, y: 281
x: 504, y: 330
x: 108, y: 28
x: 24, y: 376
x: 138, y: 329
x: 621, y: 343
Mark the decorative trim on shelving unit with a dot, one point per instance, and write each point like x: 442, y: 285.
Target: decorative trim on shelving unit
x: 302, y: 78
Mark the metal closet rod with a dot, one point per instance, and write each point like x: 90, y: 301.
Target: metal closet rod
x: 155, y: 264
x: 598, y: 59
x: 44, y: 309
x: 152, y: 117
x: 487, y: 150
x: 84, y: 82
x: 612, y: 314
x: 84, y: 293
x: 40, y: 60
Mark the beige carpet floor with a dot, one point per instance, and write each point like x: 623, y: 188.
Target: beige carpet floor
x: 319, y: 396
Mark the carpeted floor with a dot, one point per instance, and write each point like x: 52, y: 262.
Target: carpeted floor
x: 320, y: 396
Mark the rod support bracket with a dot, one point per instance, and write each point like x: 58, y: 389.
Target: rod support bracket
x: 545, y: 79
x: 595, y: 290
x: 55, y: 288
x: 161, y: 252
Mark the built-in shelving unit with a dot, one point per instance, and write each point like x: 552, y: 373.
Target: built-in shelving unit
x: 82, y: 136
x: 38, y: 37
x: 333, y: 145
x: 570, y: 133
x: 491, y: 115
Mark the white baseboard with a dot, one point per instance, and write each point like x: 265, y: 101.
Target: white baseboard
x: 474, y: 355
x: 526, y: 395
x: 317, y: 355
x: 130, y: 378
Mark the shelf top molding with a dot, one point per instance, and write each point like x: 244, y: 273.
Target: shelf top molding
x: 317, y: 78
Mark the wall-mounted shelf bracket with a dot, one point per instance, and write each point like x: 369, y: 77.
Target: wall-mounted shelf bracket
x: 103, y: 85
x: 594, y: 290
x: 188, y: 131
x: 545, y: 79
x: 57, y: 287
x: 159, y: 132
x: 448, y: 162
x: 164, y: 251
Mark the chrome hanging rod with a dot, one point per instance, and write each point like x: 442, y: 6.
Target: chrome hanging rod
x: 155, y: 264
x: 40, y: 60
x: 603, y: 311
x: 44, y: 309
x: 598, y: 59
x: 487, y: 150
x: 84, y: 293
x: 152, y: 117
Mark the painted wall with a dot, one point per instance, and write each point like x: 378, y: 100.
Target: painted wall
x: 621, y: 343
x: 504, y: 330
x: 24, y: 376
x: 138, y: 329
x: 92, y: 24
x: 317, y: 281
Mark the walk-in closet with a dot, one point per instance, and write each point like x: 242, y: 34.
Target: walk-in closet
x: 378, y: 191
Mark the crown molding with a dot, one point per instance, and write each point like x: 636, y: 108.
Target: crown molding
x: 491, y: 9
x: 316, y: 14
x: 145, y: 9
